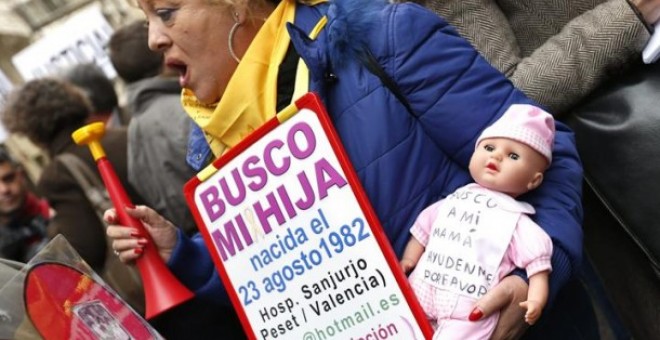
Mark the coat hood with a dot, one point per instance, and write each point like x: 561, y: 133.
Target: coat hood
x: 141, y: 94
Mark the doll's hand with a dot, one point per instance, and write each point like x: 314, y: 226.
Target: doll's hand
x: 534, y: 309
x: 406, y: 265
x: 505, y: 297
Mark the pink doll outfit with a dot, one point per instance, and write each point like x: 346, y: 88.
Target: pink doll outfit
x: 448, y: 281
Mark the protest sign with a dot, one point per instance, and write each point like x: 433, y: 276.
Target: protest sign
x: 82, y: 38
x: 295, y: 240
x: 6, y: 87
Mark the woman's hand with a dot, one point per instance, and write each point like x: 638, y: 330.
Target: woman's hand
x: 128, y: 243
x: 505, y: 297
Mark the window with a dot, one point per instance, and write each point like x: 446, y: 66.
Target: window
x: 39, y: 13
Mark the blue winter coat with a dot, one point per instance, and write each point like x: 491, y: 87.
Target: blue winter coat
x: 407, y: 162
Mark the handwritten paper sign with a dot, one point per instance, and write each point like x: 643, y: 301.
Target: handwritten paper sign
x: 295, y: 241
x: 466, y: 246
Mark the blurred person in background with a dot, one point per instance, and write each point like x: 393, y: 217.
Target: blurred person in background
x: 101, y: 93
x: 23, y: 216
x: 158, y: 129
x: 47, y: 111
x: 556, y: 52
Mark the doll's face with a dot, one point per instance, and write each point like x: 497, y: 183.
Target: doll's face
x: 507, y: 166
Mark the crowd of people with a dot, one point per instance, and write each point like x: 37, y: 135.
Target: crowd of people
x: 449, y: 73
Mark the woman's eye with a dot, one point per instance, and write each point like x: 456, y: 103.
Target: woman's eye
x: 514, y: 156
x: 165, y: 14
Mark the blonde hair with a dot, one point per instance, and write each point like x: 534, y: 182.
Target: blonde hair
x: 134, y: 3
x: 249, y: 5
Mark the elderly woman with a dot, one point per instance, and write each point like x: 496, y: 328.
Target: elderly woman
x: 410, y: 143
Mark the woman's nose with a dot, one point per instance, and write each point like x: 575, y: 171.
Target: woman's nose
x: 158, y: 40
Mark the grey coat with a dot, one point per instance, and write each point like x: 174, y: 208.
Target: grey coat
x: 157, y: 143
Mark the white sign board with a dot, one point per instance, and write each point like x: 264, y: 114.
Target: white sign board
x: 6, y: 87
x: 295, y: 240
x: 81, y: 39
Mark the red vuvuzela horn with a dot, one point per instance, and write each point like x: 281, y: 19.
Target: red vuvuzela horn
x: 162, y: 290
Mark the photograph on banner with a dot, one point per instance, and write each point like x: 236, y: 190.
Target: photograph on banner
x: 295, y: 240
x: 56, y: 295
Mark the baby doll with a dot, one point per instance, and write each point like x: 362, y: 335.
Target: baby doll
x: 468, y: 241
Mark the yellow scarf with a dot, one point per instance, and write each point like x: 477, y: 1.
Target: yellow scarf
x: 246, y: 105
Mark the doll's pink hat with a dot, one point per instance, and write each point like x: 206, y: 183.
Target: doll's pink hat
x: 527, y: 124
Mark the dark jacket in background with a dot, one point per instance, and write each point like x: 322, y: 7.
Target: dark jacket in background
x: 75, y: 218
x: 25, y: 234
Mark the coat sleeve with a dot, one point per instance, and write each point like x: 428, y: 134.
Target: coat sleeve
x: 568, y: 65
x: 202, y: 277
x: 74, y: 216
x: 456, y: 94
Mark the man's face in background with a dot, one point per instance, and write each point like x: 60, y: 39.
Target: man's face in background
x: 13, y: 188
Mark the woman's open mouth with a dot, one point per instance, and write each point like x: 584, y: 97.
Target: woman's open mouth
x: 181, y: 68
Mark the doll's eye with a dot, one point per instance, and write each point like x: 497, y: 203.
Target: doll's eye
x: 489, y: 147
x: 514, y: 156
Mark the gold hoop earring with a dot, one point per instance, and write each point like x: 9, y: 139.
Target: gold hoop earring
x: 230, y: 40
